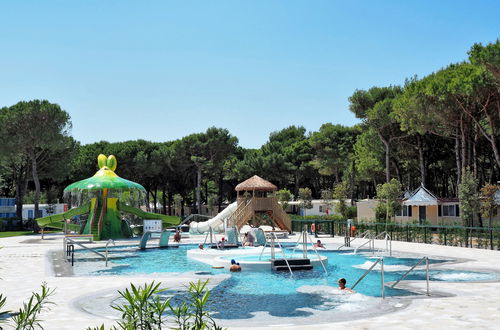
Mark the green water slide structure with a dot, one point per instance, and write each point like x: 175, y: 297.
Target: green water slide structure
x: 104, y: 198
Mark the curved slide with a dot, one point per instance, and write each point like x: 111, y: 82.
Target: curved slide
x: 216, y: 223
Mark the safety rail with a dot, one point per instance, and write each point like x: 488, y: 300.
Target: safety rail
x: 317, y: 253
x: 362, y: 235
x: 69, y: 247
x: 371, y: 243
x: 388, y: 241
x: 273, y: 237
x: 381, y: 261
x: 412, y: 268
x: 107, y: 243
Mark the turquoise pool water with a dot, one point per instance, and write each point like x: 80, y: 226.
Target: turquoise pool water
x: 277, y: 293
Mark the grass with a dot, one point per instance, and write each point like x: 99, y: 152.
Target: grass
x: 14, y: 233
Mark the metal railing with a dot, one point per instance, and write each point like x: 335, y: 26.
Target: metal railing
x: 388, y: 241
x: 107, y: 243
x: 381, y: 261
x: 412, y: 268
x: 273, y: 237
x: 69, y: 247
x: 317, y: 253
x: 362, y: 235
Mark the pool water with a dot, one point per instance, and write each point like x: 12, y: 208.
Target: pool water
x: 278, y: 293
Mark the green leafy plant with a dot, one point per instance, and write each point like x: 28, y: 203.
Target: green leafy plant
x: 27, y: 318
x: 193, y: 315
x: 144, y: 309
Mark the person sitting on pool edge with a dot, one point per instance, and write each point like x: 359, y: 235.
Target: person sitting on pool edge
x: 235, y: 266
x: 221, y: 243
x: 249, y: 239
x: 318, y: 244
x: 342, y: 286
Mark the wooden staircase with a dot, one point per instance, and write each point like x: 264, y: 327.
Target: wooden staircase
x: 250, y: 208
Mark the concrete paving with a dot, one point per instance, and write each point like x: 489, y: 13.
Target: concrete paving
x: 27, y: 261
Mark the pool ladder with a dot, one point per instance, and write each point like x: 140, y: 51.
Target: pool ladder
x: 381, y: 261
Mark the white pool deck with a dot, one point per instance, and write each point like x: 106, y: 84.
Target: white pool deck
x: 26, y: 262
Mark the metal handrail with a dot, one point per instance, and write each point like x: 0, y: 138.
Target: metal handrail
x: 317, y: 253
x: 381, y: 260
x: 386, y: 241
x: 283, y: 252
x: 73, y: 242
x: 107, y: 243
x: 412, y: 268
x: 362, y: 235
x: 370, y: 240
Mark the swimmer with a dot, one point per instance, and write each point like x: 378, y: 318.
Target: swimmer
x: 235, y: 266
x: 342, y: 286
x: 318, y: 244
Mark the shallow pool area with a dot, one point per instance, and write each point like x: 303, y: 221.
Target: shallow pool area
x: 279, y: 294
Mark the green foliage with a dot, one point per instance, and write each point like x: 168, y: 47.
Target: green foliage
x: 284, y: 196
x: 369, y: 155
x: 332, y: 145
x: 144, y: 309
x: 390, y: 192
x: 305, y: 198
x: 381, y: 211
x: 193, y: 315
x: 340, y: 193
x: 468, y: 195
x: 488, y: 203
x: 27, y: 317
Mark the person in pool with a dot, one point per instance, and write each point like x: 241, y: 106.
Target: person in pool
x: 235, y: 266
x: 318, y: 244
x: 342, y: 286
x: 177, y: 236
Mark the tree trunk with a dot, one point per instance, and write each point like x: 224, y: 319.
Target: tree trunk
x: 387, y: 158
x: 457, y: 158
x: 493, y: 139
x: 37, y: 191
x: 155, y: 199
x: 170, y: 203
x: 352, y: 180
x: 221, y: 187
x: 421, y: 160
x: 164, y: 200
x: 198, y: 189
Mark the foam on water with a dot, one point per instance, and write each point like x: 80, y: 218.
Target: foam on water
x: 462, y: 277
x: 387, y: 268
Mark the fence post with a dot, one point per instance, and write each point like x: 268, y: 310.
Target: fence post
x: 445, y: 243
x: 425, y: 234
x: 407, y: 232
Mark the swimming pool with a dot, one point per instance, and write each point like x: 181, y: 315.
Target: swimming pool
x: 277, y: 297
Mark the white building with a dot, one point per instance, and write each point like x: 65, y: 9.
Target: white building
x: 44, y: 209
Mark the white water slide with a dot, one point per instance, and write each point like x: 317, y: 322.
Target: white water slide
x: 216, y: 223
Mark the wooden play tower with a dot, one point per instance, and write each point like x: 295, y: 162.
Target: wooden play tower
x: 256, y: 200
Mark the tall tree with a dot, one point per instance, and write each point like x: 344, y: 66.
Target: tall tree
x: 36, y: 128
x: 375, y: 108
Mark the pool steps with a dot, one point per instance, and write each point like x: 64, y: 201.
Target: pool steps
x: 293, y: 264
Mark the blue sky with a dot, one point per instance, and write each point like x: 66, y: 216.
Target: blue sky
x: 160, y: 70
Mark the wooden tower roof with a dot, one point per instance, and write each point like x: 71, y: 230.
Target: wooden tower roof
x: 256, y: 183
